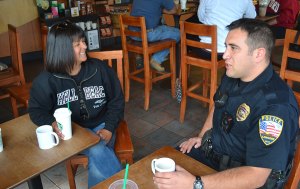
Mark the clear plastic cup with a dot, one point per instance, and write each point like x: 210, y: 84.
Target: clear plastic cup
x: 118, y: 184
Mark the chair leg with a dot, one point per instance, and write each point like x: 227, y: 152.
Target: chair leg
x: 172, y: 68
x: 213, y: 86
x: 148, y: 82
x: 120, y: 72
x: 14, y: 107
x: 71, y: 171
x: 184, y: 91
x: 126, y: 76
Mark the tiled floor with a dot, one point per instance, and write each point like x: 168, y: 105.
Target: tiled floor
x: 149, y: 130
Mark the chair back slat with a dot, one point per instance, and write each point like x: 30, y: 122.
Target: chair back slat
x: 111, y: 55
x: 291, y: 76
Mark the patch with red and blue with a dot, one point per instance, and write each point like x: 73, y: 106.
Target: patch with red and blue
x: 270, y: 128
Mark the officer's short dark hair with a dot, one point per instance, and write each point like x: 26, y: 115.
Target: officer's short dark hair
x: 60, y: 57
x: 259, y: 34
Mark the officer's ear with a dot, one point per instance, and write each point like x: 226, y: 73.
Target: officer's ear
x: 259, y: 55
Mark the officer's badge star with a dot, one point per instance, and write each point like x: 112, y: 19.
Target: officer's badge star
x: 242, y: 112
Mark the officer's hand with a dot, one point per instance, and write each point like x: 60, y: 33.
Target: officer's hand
x: 104, y: 134
x: 57, y: 130
x: 186, y: 146
x: 176, y: 180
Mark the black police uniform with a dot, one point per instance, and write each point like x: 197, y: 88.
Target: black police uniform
x: 254, y: 124
x: 258, y: 124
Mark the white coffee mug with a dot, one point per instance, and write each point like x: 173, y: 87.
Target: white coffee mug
x: 163, y: 165
x: 46, y: 137
x: 63, y: 120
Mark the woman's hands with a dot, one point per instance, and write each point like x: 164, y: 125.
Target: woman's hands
x: 104, y: 135
x: 57, y: 130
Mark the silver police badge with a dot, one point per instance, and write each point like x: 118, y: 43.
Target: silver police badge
x: 242, y: 112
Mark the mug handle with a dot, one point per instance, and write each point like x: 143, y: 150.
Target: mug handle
x: 153, y: 165
x: 56, y: 138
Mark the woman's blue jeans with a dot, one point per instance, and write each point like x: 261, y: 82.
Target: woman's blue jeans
x: 103, y: 161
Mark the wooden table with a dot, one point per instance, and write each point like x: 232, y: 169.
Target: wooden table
x: 266, y: 18
x: 191, y: 9
x: 140, y: 172
x: 22, y: 158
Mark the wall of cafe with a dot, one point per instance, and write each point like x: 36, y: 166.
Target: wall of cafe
x: 22, y: 14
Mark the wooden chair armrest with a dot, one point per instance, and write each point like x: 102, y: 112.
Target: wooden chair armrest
x: 123, y: 143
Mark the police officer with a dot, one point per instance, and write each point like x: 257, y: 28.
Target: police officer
x: 253, y: 125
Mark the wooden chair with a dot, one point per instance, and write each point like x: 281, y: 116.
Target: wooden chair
x: 107, y: 55
x: 209, y: 66
x: 290, y: 75
x: 19, y: 95
x: 123, y: 150
x: 123, y: 143
x: 293, y: 180
x: 14, y: 75
x: 146, y: 49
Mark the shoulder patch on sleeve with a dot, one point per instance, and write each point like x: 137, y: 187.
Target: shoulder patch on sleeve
x: 270, y: 128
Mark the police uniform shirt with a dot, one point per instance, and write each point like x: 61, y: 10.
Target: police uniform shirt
x: 264, y: 117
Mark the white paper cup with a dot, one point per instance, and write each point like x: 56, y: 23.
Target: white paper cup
x: 183, y: 4
x: 46, y: 137
x: 118, y: 184
x: 163, y: 165
x: 63, y: 119
x: 262, y: 11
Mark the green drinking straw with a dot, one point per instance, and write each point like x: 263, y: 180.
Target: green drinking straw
x: 125, y: 176
x: 68, y: 104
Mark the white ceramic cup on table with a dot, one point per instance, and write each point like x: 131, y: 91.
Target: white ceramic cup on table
x: 163, y: 165
x: 63, y: 120
x: 46, y: 137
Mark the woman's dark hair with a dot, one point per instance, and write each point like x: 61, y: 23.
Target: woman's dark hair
x: 259, y: 34
x: 60, y: 56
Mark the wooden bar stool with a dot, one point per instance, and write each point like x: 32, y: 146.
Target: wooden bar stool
x: 146, y: 49
x: 292, y: 76
x: 287, y: 74
x: 209, y: 66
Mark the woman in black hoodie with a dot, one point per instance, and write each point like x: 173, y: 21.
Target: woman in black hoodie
x: 92, y: 90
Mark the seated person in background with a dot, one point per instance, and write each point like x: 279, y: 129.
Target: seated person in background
x: 152, y: 11
x: 250, y: 133
x: 92, y: 90
x: 221, y: 13
x: 287, y: 11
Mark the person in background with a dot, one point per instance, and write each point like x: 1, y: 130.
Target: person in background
x: 287, y: 11
x: 221, y: 13
x: 152, y: 11
x: 250, y: 134
x: 91, y: 89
